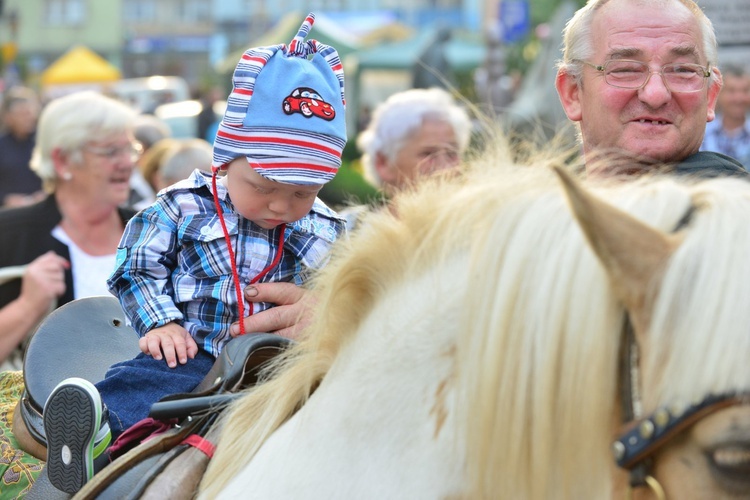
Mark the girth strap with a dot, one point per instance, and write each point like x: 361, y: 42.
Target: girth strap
x: 201, y: 443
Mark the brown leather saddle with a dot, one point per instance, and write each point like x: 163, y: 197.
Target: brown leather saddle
x: 83, y: 338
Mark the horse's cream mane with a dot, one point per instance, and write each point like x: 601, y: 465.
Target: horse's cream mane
x: 700, y: 330
x: 537, y: 359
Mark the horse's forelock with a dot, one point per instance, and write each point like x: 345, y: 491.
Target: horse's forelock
x: 541, y: 326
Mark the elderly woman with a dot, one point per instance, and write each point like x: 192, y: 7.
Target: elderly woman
x: 84, y: 154
x: 412, y: 134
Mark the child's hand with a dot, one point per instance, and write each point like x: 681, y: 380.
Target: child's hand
x: 172, y: 340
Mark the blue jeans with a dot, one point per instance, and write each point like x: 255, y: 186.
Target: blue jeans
x: 130, y: 387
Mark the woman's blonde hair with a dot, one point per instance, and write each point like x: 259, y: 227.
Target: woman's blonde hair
x: 67, y: 123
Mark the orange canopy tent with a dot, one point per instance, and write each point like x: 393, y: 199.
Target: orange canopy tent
x: 80, y: 65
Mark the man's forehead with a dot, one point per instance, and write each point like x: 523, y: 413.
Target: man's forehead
x: 675, y: 10
x: 601, y: 4
x: 690, y: 50
x: 620, y: 32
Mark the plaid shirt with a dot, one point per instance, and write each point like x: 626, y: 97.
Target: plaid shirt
x: 736, y: 145
x: 173, y: 261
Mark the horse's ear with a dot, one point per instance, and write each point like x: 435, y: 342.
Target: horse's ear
x: 632, y: 252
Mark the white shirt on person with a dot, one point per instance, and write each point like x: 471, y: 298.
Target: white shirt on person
x: 90, y: 272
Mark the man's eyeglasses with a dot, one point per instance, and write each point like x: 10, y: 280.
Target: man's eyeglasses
x: 633, y: 75
x: 132, y: 150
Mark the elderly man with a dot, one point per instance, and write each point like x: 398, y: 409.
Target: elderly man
x: 639, y: 78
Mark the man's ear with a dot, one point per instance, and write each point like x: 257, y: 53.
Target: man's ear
x: 569, y: 92
x: 714, y: 87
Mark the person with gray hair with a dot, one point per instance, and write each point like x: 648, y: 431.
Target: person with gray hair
x: 729, y: 133
x: 148, y: 130
x: 84, y: 154
x: 413, y: 133
x: 639, y: 77
x: 180, y: 160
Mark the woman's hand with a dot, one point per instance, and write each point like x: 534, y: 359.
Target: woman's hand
x: 43, y: 282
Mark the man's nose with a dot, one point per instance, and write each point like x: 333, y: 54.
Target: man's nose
x: 655, y: 92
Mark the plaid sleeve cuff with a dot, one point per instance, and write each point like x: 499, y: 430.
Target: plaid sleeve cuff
x: 153, y: 313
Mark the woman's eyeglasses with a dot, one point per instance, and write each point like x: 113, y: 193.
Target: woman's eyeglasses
x: 132, y: 150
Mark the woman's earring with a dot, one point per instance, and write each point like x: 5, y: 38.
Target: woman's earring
x: 67, y: 176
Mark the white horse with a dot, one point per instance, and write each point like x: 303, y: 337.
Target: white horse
x: 470, y: 347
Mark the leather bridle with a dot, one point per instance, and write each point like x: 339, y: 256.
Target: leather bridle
x: 644, y: 436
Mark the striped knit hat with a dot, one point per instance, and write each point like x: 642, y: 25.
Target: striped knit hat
x: 286, y: 112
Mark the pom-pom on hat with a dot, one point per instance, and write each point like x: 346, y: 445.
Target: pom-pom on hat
x: 286, y: 112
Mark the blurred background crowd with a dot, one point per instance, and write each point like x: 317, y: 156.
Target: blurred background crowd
x: 172, y: 61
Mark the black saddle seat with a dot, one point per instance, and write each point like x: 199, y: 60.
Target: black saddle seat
x: 82, y: 338
x: 237, y: 367
x: 85, y: 337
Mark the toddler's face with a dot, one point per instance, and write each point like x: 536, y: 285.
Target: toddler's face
x: 265, y: 202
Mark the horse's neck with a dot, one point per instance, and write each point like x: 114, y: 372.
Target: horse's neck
x: 382, y: 420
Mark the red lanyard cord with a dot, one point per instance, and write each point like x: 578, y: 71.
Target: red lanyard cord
x: 235, y: 274
x: 276, y: 258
